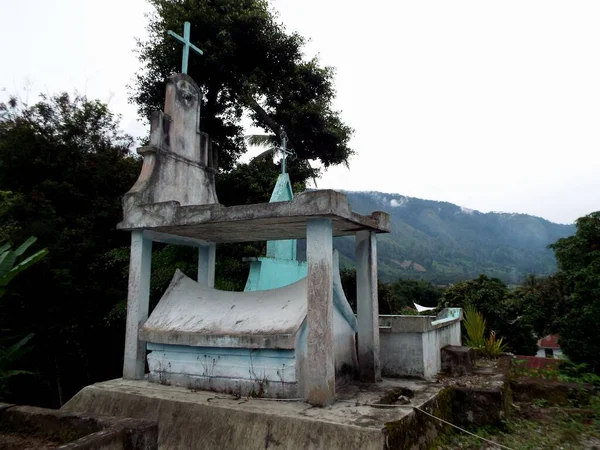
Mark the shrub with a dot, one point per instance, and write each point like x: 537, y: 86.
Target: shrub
x: 474, y: 324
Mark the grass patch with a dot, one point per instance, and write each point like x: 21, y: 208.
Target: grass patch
x: 535, y: 427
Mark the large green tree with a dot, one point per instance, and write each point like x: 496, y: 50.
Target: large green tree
x: 542, y: 299
x: 251, y: 65
x: 64, y: 166
x: 503, y: 311
x: 251, y: 68
x: 578, y: 259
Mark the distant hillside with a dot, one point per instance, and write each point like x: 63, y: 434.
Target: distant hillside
x: 444, y: 243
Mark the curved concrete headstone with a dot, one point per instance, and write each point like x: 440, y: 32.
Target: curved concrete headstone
x: 193, y: 314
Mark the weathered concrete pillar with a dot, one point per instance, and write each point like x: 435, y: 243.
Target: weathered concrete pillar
x: 206, y: 264
x: 367, y: 306
x: 137, y: 304
x: 320, y: 370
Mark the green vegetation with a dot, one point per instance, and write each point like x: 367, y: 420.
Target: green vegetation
x: 503, y: 310
x: 535, y: 427
x: 578, y: 373
x: 564, y: 370
x: 251, y: 65
x: 577, y: 313
x: 442, y: 243
x: 494, y: 347
x: 475, y: 327
x: 9, y: 356
x: 397, y: 297
x: 64, y: 167
x: 10, y: 267
x: 8, y: 259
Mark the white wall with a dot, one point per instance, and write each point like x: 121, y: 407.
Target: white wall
x: 344, y: 339
x: 401, y: 354
x: 542, y: 353
x: 433, y: 342
x: 416, y: 353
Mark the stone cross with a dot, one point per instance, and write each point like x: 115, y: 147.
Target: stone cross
x: 187, y: 45
x: 284, y: 151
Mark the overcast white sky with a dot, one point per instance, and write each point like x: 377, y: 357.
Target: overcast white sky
x: 493, y: 106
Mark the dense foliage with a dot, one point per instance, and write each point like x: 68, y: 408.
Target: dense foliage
x: 565, y: 303
x: 503, y: 311
x: 398, y: 297
x: 64, y: 167
x: 251, y: 65
x: 577, y: 316
x: 12, y: 263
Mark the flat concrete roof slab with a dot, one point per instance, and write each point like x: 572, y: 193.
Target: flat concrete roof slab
x: 257, y: 222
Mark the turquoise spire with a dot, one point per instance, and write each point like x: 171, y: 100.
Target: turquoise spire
x: 280, y: 267
x: 282, y: 193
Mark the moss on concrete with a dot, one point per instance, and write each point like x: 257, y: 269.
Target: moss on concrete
x: 418, y: 430
x: 457, y: 405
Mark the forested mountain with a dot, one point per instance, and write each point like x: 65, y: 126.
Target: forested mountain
x: 443, y: 243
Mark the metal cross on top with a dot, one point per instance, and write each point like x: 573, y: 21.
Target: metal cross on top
x: 284, y: 151
x: 187, y: 45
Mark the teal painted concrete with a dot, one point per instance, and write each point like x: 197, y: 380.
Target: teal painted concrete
x: 285, y: 250
x: 283, y: 189
x: 187, y: 46
x: 280, y: 267
x: 271, y: 273
x: 447, y: 315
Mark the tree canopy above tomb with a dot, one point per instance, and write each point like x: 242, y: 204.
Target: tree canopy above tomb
x: 252, y: 65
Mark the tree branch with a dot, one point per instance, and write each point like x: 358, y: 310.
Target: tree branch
x: 251, y: 102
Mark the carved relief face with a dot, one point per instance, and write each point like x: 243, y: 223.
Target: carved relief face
x: 186, y: 94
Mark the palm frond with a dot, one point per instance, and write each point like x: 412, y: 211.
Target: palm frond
x: 261, y: 140
x: 474, y: 324
x: 265, y: 154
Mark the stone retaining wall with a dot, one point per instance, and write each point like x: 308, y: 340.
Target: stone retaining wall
x: 31, y: 427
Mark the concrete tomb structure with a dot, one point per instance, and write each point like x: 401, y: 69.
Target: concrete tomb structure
x: 291, y: 334
x: 251, y: 343
x: 291, y: 338
x: 411, y: 344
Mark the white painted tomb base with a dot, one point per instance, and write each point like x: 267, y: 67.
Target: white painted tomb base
x: 241, y: 343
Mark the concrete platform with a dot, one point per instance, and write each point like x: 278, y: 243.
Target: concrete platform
x: 29, y: 427
x: 207, y: 420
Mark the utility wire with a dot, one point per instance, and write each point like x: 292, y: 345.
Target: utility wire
x: 463, y: 430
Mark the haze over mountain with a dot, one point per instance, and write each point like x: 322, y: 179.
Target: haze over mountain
x: 444, y: 243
